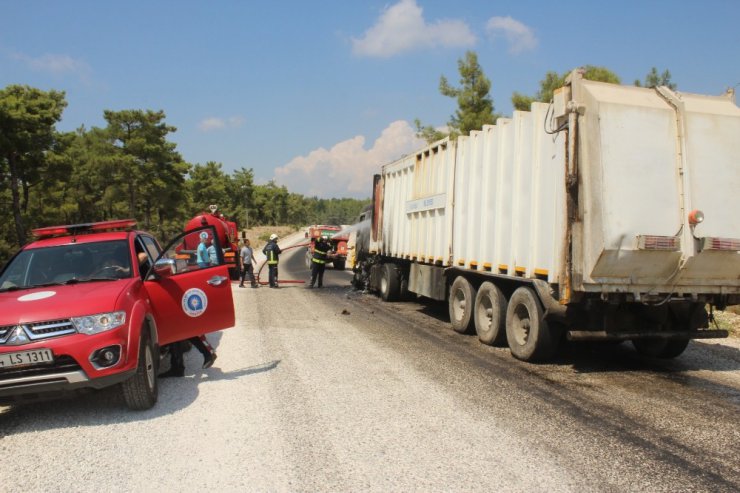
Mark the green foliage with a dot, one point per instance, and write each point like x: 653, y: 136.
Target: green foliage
x: 27, y: 120
x: 428, y: 132
x: 553, y: 81
x: 654, y: 79
x: 474, y: 104
x: 130, y: 168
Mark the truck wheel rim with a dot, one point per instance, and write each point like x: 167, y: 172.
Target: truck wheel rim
x: 521, y: 324
x: 149, y: 367
x: 459, y: 305
x: 485, y: 312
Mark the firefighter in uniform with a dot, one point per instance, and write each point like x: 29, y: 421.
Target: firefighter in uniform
x: 318, y: 263
x: 272, y: 252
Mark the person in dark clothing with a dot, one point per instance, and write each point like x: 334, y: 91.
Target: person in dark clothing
x: 272, y: 252
x: 318, y: 263
x: 177, y: 361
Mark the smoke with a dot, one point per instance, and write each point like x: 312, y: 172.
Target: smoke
x: 360, y: 227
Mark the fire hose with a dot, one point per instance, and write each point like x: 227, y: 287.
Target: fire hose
x: 289, y: 281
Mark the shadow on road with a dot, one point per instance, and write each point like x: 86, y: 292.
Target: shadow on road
x: 106, y: 406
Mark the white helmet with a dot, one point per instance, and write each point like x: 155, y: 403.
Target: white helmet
x: 273, y: 237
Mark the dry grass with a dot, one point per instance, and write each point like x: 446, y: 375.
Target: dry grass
x: 729, y: 320
x: 258, y: 236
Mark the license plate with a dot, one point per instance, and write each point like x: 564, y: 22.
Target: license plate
x: 24, y: 358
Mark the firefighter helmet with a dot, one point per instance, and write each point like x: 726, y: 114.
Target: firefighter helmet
x: 273, y: 237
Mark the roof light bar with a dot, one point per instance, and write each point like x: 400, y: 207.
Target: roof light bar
x: 71, y: 229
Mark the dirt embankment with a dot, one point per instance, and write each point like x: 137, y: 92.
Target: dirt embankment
x: 259, y: 235
x: 729, y: 320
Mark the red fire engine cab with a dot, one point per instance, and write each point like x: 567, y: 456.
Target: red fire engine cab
x: 338, y: 241
x: 227, y: 237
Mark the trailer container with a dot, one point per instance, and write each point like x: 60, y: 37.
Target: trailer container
x: 612, y: 213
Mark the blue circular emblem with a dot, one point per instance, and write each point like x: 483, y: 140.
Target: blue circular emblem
x: 194, y: 302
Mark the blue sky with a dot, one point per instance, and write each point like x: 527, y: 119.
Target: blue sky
x: 318, y: 95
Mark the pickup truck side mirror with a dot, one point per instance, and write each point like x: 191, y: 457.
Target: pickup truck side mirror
x: 165, y: 267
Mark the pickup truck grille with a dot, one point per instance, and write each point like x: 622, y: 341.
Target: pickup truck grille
x: 36, y: 330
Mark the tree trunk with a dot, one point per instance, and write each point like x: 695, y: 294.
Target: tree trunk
x: 20, y: 229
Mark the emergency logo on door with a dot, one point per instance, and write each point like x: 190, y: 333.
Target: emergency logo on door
x: 194, y: 302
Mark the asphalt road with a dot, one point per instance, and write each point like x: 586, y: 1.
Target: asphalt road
x: 334, y: 390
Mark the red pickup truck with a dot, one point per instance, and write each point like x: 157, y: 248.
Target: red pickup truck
x: 87, y: 306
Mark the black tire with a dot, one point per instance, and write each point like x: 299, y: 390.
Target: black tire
x: 140, y: 392
x: 461, y: 303
x: 390, y: 283
x: 660, y: 348
x: 490, y: 315
x: 339, y: 264
x: 527, y: 332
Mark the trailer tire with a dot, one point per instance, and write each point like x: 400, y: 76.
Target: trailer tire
x: 527, y: 332
x: 461, y: 305
x: 339, y: 264
x: 490, y: 315
x: 390, y: 283
x: 660, y: 348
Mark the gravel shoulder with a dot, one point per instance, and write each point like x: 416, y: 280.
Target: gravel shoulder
x: 332, y: 390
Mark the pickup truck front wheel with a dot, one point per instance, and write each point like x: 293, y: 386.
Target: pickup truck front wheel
x: 141, y: 390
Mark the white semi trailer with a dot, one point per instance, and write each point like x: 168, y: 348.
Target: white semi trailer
x: 611, y: 214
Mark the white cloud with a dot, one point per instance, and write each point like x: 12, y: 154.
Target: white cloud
x: 519, y: 36
x: 347, y: 168
x: 55, y: 64
x: 215, y: 123
x: 402, y: 28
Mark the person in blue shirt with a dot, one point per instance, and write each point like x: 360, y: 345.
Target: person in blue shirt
x: 202, y: 256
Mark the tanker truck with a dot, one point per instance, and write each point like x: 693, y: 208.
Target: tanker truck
x: 611, y: 214
x: 227, y: 237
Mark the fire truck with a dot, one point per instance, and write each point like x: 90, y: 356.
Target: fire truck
x: 337, y: 239
x: 227, y: 238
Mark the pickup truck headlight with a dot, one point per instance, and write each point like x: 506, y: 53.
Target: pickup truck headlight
x: 94, y: 324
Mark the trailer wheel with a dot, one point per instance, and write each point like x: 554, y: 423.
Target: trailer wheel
x: 390, y: 284
x: 527, y: 331
x: 490, y: 315
x: 461, y: 304
x: 339, y: 264
x: 660, y: 348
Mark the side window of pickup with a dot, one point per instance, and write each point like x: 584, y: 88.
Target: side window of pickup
x: 147, y: 250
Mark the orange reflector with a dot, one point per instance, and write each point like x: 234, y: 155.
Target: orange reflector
x: 695, y: 217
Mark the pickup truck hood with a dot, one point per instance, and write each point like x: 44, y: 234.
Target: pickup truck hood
x: 59, y: 302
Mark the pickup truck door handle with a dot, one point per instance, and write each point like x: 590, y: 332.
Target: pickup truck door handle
x: 216, y: 280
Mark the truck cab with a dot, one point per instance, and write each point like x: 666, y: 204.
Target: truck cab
x: 337, y: 239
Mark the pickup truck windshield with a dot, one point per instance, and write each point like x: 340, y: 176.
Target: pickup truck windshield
x: 34, y: 267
